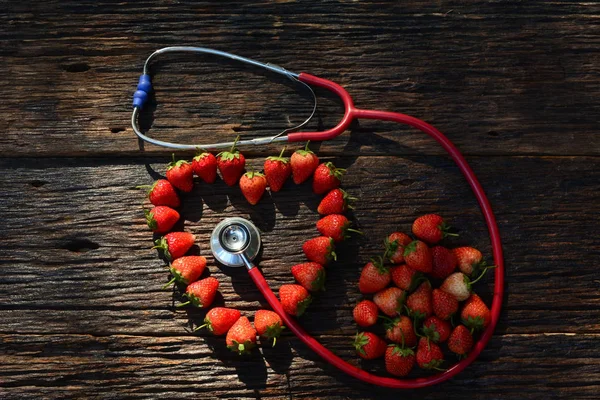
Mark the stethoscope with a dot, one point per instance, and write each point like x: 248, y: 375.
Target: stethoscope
x: 235, y: 242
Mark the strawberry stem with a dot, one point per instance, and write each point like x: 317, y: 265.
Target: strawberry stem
x: 281, y: 154
x: 354, y: 230
x: 275, y: 338
x: 183, y: 304
x: 172, y: 281
x: 199, y: 327
x: 234, y: 143
x: 480, y: 276
x: 306, y: 147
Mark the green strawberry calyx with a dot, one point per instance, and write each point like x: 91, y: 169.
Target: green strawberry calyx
x: 331, y: 251
x: 200, y: 154
x: 306, y: 150
x: 400, y: 350
x: 280, y: 158
x: 152, y: 224
x: 360, y: 341
x: 232, y: 154
x: 445, y: 229
x: 337, y: 172
x: 192, y: 299
x: 378, y: 264
x: 346, y: 229
x: 433, y: 364
x: 207, y: 324
x: 273, y: 332
x: 319, y: 282
x: 410, y: 248
x: 176, y: 164
x: 302, y: 305
x: 252, y: 174
x: 473, y: 323
x: 177, y: 278
x: 163, y: 245
x: 431, y: 333
x: 241, y: 348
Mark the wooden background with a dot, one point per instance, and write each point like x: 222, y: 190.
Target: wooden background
x: 514, y: 84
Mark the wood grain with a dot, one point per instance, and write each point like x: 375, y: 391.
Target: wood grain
x: 497, y: 78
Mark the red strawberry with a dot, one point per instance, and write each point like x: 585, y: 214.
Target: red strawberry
x: 303, y: 162
x: 335, y: 202
x: 374, y: 277
x: 181, y: 175
x: 460, y: 341
x: 419, y: 303
x: 365, y: 313
x: 241, y: 337
x: 369, y: 346
x: 336, y: 226
x: 436, y: 329
x: 429, y: 354
x: 405, y: 277
x: 201, y: 293
x: 444, y: 304
x: 175, y: 244
x: 399, y: 361
x: 253, y: 185
x: 443, y: 262
x: 326, y: 178
x: 394, y: 247
x: 475, y: 314
x: 469, y: 259
x: 219, y: 319
x: 231, y: 164
x: 294, y: 299
x: 205, y: 166
x: 277, y: 170
x: 186, y: 270
x: 161, y: 219
x: 310, y: 275
x: 162, y: 193
x: 320, y: 249
x: 390, y: 301
x: 431, y: 228
x: 401, y: 330
x: 418, y: 256
x: 268, y: 324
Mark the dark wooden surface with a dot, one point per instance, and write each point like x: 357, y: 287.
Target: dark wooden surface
x: 514, y: 84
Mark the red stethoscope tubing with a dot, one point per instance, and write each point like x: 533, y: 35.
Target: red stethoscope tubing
x: 350, y: 114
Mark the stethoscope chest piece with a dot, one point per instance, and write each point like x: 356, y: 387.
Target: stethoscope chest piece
x: 232, y: 237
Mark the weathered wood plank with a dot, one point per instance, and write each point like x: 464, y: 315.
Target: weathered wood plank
x: 177, y: 367
x: 76, y: 253
x: 498, y: 78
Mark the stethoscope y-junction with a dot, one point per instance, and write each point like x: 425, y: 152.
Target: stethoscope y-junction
x: 236, y: 241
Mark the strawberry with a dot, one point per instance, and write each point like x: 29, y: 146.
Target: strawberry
x: 161, y: 219
x: 175, y: 244
x: 394, y: 247
x: 231, y: 164
x: 277, y: 170
x: 303, y: 162
x: 444, y: 304
x: 336, y: 226
x: 405, y: 277
x: 181, y: 175
x: 205, y: 166
x: 201, y: 293
x: 431, y: 228
x: 320, y: 249
x: 310, y: 275
x: 418, y: 256
x: 294, y: 299
x: 268, y: 324
x: 253, y: 185
x: 162, y: 193
x: 475, y: 314
x: 401, y: 330
x: 219, y: 319
x: 336, y: 201
x: 429, y: 354
x: 399, y: 361
x: 443, y: 262
x: 459, y: 284
x: 419, y: 303
x: 186, y: 270
x: 470, y: 260
x: 437, y: 330
x: 374, y: 277
x: 460, y: 341
x: 241, y: 337
x: 369, y: 346
x: 326, y: 178
x: 365, y: 313
x: 390, y: 301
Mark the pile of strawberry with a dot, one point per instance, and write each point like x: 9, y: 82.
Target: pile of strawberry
x: 186, y: 270
x: 415, y: 314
